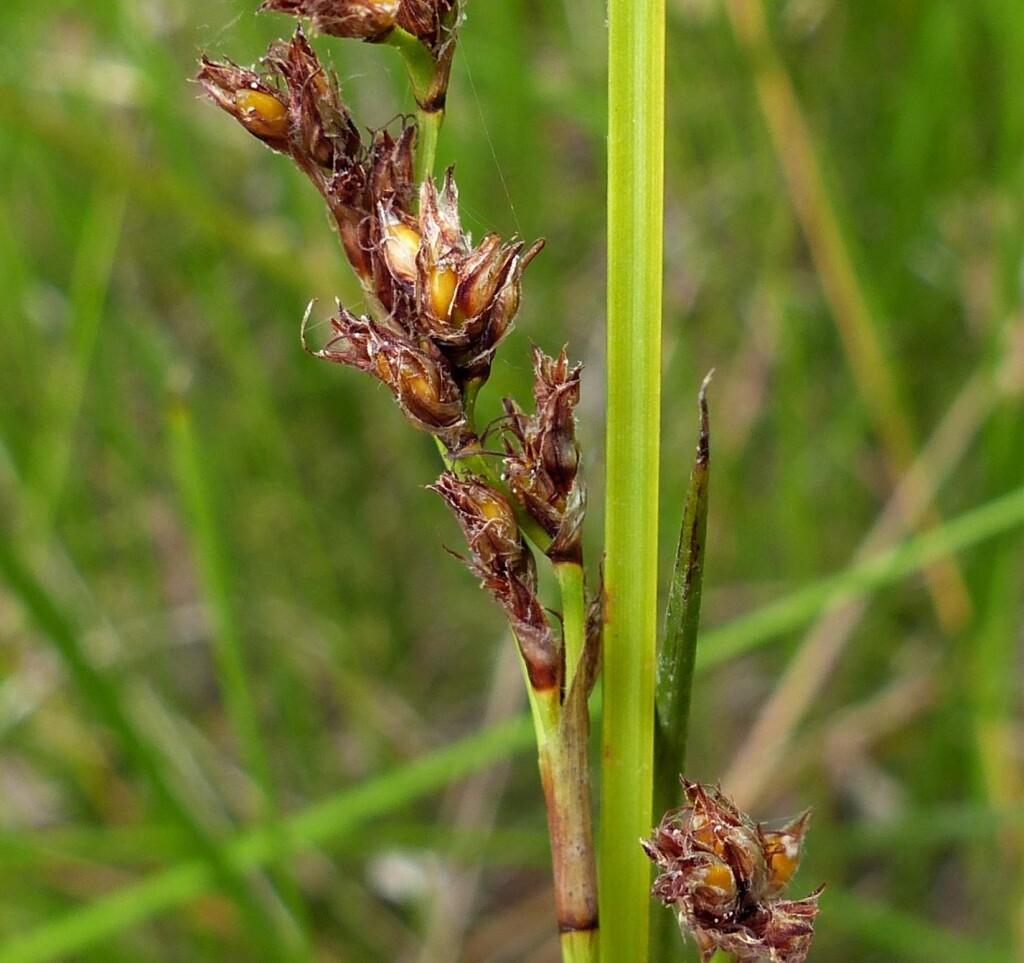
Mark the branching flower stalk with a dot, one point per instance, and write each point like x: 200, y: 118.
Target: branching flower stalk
x: 438, y: 309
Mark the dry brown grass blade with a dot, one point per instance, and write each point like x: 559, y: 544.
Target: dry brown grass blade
x: 858, y: 329
x: 761, y: 753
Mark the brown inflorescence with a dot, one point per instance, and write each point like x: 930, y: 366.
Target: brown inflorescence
x: 440, y: 304
x: 294, y: 105
x: 724, y: 875
x: 542, y: 455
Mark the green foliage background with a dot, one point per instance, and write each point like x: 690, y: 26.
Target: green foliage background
x: 225, y: 596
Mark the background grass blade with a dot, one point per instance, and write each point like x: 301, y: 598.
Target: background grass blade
x: 328, y: 821
x: 728, y: 641
x: 194, y: 471
x: 106, y: 702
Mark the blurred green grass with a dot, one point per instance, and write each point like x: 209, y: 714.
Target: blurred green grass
x: 226, y: 607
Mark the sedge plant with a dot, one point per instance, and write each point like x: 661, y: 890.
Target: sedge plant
x: 438, y: 309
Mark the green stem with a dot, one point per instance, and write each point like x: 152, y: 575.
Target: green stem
x: 546, y: 711
x: 635, y: 204
x: 580, y: 947
x: 428, y: 126
x: 563, y: 742
x: 470, y: 392
x: 428, y: 79
x: 574, y: 615
x: 419, y: 62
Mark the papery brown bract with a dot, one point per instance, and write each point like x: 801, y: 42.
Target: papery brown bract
x: 723, y: 873
x: 430, y: 21
x: 502, y: 272
x: 355, y: 194
x: 359, y: 19
x: 293, y: 104
x: 322, y: 130
x: 417, y: 375
x: 259, y: 107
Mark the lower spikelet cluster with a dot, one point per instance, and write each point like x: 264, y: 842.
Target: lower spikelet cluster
x: 724, y: 874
